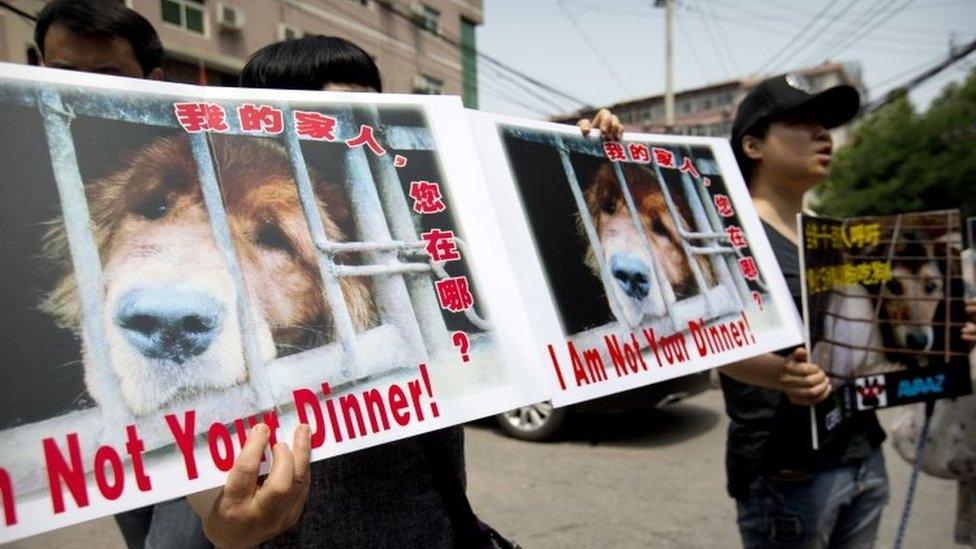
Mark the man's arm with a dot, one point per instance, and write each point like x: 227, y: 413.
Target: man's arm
x: 803, y: 382
x: 244, y: 513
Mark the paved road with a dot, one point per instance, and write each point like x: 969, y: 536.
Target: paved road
x: 649, y: 479
x: 641, y: 479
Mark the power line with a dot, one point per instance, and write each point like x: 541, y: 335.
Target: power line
x: 728, y: 49
x: 691, y: 46
x: 389, y: 7
x: 897, y: 91
x: 790, y: 44
x: 586, y: 38
x: 851, y: 40
x: 18, y: 11
x: 829, y: 23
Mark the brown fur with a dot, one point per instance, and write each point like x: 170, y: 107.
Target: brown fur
x: 272, y: 240
x: 605, y: 200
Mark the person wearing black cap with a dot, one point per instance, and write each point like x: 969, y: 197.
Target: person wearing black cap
x: 787, y: 494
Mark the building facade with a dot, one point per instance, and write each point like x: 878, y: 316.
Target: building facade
x: 709, y: 110
x: 424, y: 46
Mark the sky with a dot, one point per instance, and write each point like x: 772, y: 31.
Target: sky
x: 605, y: 51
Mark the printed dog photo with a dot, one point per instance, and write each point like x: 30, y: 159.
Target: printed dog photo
x: 640, y: 245
x: 907, y: 315
x: 631, y: 254
x: 170, y: 307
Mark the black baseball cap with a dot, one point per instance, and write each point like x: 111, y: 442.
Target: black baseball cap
x: 791, y: 92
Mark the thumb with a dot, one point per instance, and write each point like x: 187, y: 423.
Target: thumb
x: 800, y: 355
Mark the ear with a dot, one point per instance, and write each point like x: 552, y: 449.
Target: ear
x: 155, y: 74
x: 752, y: 147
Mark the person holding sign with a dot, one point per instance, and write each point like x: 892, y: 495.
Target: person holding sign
x: 787, y: 493
x: 408, y: 493
x: 106, y: 37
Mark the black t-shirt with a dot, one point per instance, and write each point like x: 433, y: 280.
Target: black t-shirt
x: 767, y: 433
x: 386, y: 496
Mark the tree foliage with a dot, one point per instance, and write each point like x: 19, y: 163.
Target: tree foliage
x: 902, y: 161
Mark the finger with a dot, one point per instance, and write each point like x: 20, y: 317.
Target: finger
x: 605, y: 120
x: 616, y: 128
x: 302, y: 450
x: 242, y: 480
x: 279, y: 487
x: 800, y: 369
x: 585, y: 126
x: 799, y: 354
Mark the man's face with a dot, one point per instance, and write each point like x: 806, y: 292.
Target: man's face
x: 114, y: 55
x: 797, y: 148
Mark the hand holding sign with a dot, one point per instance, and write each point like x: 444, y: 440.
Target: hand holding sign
x: 804, y: 382
x: 247, y: 512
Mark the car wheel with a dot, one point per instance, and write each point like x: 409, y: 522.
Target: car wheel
x: 536, y: 422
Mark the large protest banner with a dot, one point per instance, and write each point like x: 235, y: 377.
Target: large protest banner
x: 647, y: 255
x: 181, y: 262
x: 883, y: 304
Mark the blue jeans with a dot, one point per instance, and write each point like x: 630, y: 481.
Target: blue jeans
x: 837, y: 508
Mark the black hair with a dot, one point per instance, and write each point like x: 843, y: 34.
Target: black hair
x: 103, y: 19
x: 746, y: 164
x: 309, y: 63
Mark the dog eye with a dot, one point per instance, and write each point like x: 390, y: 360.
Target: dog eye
x: 270, y: 236
x: 659, y: 227
x: 894, y: 287
x: 931, y: 286
x: 609, y: 207
x: 154, y: 208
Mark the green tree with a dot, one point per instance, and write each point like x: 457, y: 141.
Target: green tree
x: 902, y: 161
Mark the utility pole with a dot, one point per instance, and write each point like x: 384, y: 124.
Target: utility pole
x: 668, y: 6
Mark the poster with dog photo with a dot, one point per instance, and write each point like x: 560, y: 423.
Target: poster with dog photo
x: 182, y: 262
x: 649, y: 257
x: 883, y: 303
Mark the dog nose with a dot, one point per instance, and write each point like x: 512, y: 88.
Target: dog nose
x: 917, y: 341
x: 632, y: 274
x: 169, y: 323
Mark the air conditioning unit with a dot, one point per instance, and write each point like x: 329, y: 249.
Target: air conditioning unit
x: 230, y: 18
x: 288, y: 32
x: 419, y: 84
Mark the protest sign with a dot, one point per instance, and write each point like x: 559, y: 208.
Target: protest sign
x: 883, y: 303
x: 646, y: 257
x: 181, y: 262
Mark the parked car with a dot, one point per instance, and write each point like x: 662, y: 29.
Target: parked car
x: 542, y: 421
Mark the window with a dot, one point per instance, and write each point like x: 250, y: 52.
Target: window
x: 428, y: 18
x: 428, y: 85
x: 288, y: 32
x: 187, y: 14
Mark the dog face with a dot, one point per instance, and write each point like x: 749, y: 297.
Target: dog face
x: 631, y: 262
x: 171, y: 314
x: 912, y: 295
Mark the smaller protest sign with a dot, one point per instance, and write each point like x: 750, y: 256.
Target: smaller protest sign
x: 644, y: 259
x: 883, y: 305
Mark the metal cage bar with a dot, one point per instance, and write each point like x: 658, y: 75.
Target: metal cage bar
x: 664, y: 285
x: 81, y: 242
x: 331, y: 287
x: 390, y: 190
x: 392, y: 299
